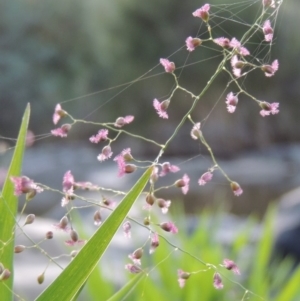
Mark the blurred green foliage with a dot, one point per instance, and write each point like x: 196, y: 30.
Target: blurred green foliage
x: 267, y: 281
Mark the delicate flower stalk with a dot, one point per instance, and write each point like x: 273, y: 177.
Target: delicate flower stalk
x: 233, y: 50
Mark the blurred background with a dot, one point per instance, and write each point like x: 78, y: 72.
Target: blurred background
x: 53, y: 51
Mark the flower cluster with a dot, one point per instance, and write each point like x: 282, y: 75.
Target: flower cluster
x: 236, y: 64
x: 24, y: 185
x: 69, y: 185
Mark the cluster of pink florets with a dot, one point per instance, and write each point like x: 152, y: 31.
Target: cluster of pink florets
x: 238, y: 62
x: 236, y: 54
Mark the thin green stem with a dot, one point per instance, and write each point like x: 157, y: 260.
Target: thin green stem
x: 114, y: 129
x: 213, y: 157
x: 197, y: 98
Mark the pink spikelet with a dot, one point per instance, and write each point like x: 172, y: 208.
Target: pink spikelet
x: 182, y: 277
x: 62, y: 131
x: 270, y: 70
x: 236, y: 188
x: 231, y: 265
x: 121, y: 121
x: 166, y: 167
x: 268, y: 31
x: 161, y: 108
x: 269, y: 108
x: 58, y: 113
x: 202, y: 12
x: 169, y: 66
x: 206, y: 177
x: 231, y: 101
x: 100, y: 136
x: 183, y: 183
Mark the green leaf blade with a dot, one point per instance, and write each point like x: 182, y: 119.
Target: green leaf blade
x: 69, y: 282
x: 9, y: 208
x: 125, y: 291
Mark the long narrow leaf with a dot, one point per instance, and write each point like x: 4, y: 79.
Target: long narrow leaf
x: 97, y: 278
x: 291, y: 289
x: 85, y: 262
x: 9, y: 207
x: 125, y: 291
